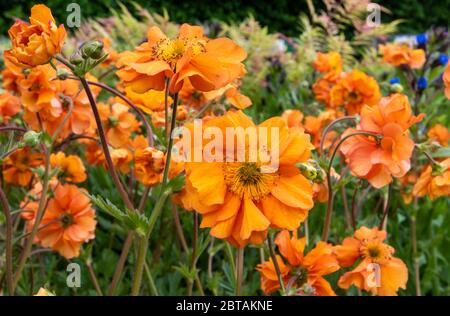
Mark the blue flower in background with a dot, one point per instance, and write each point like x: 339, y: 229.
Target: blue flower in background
x: 421, y: 39
x: 422, y: 83
x: 394, y: 80
x: 443, y: 59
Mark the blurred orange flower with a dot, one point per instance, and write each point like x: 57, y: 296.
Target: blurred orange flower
x: 35, y: 43
x: 398, y: 55
x: 377, y: 271
x: 119, y: 123
x: 434, y: 181
x: 239, y: 201
x: 303, y: 274
x: 17, y: 167
x: 9, y: 106
x: 446, y: 79
x: 149, y: 165
x: 293, y: 118
x: 68, y: 222
x: 354, y: 90
x: 207, y: 64
x: 440, y: 134
x: 71, y: 167
x: 329, y: 63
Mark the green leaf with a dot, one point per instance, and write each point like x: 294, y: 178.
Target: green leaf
x: 132, y: 220
x: 176, y: 184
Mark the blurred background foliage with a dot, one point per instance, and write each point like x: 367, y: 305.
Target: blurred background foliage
x: 280, y: 17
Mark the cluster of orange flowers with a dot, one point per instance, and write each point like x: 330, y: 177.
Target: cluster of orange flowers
x: 374, y: 268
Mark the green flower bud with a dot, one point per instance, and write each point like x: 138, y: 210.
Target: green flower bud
x: 92, y: 49
x: 312, y: 171
x: 76, y: 58
x: 31, y: 138
x: 396, y: 88
x: 62, y: 73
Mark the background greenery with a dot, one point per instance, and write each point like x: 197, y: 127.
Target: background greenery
x: 279, y: 17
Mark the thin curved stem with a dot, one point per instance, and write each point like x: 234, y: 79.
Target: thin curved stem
x: 275, y: 264
x: 39, y: 215
x: 328, y: 128
x: 386, y: 207
x: 12, y: 128
x: 121, y: 263
x: 131, y: 104
x: 9, y: 242
x: 326, y: 226
x: 105, y: 148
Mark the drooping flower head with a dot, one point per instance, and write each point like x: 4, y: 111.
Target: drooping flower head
x: 377, y: 271
x: 35, y: 43
x: 434, y: 181
x: 207, y: 64
x: 379, y: 158
x: 302, y: 274
x: 440, y: 134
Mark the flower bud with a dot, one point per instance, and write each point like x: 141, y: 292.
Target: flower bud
x: 31, y: 138
x: 312, y: 171
x: 396, y: 88
x: 422, y: 83
x: 92, y: 49
x: 62, y: 73
x: 76, y: 58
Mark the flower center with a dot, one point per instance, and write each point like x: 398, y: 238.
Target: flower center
x: 171, y: 51
x: 377, y: 251
x: 247, y: 179
x: 66, y: 220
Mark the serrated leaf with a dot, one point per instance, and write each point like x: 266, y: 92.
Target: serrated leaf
x: 132, y: 220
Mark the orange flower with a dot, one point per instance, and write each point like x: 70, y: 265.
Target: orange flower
x: 51, y: 100
x: 354, y: 90
x: 446, y: 79
x: 9, y: 106
x: 35, y: 43
x: 207, y: 64
x: 159, y: 117
x: 149, y: 165
x: 68, y: 222
x: 237, y: 199
x: 440, y: 134
x: 44, y: 292
x: 378, y: 271
x: 293, y: 118
x: 329, y: 63
x: 121, y: 157
x: 406, y: 188
x: 17, y: 167
x: 303, y: 275
x: 119, y: 123
x: 434, y: 181
x: 150, y: 101
x: 71, y: 167
x: 377, y: 160
x: 322, y: 88
x: 315, y: 126
x: 398, y: 55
